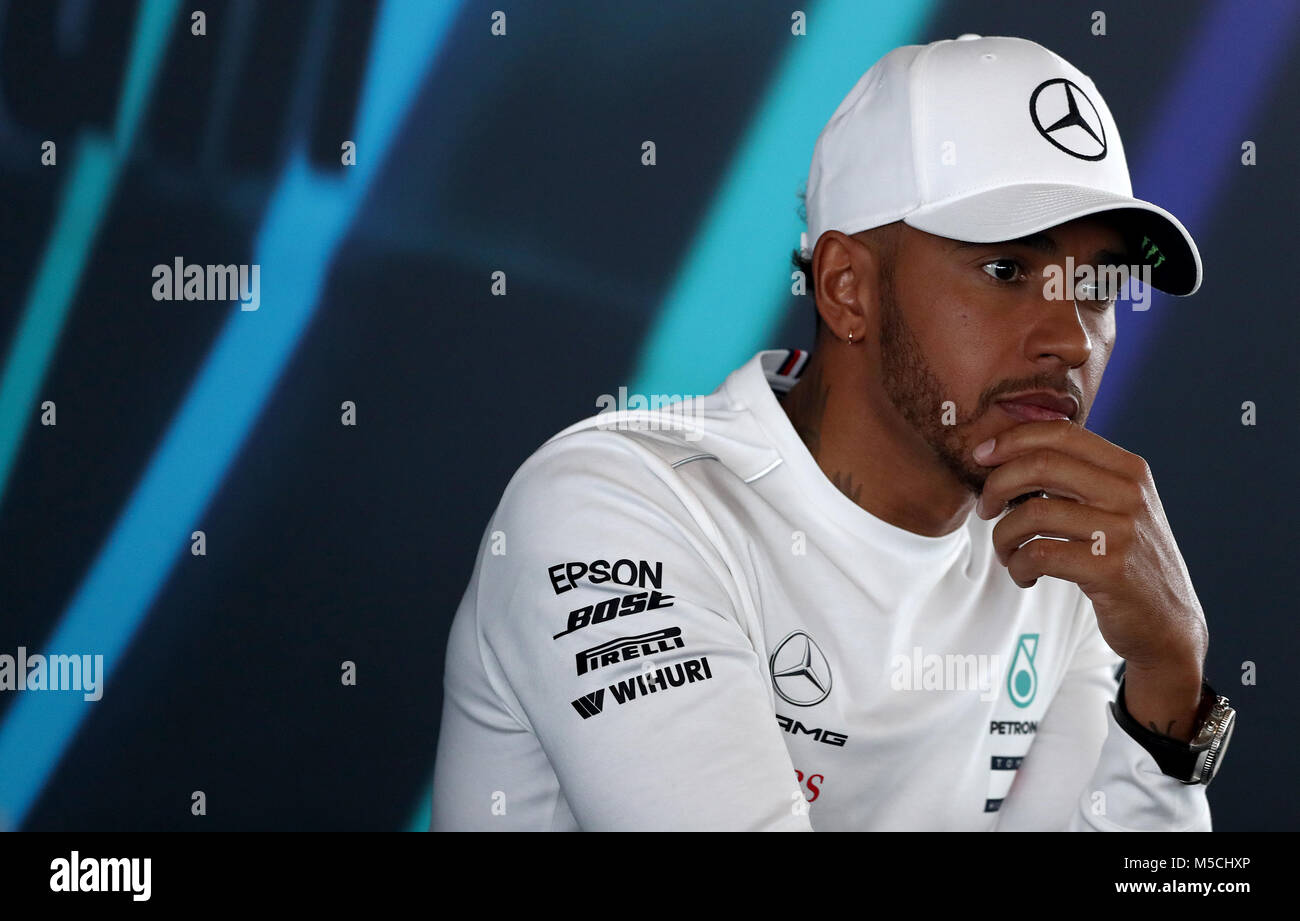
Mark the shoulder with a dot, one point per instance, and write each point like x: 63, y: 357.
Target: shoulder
x: 611, y: 466
x: 605, y: 507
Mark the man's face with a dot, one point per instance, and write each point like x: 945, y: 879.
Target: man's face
x: 970, y: 323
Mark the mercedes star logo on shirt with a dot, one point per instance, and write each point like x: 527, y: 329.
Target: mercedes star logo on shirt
x: 800, y: 672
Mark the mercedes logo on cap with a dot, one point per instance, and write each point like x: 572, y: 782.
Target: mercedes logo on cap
x: 1065, y: 115
x: 800, y: 672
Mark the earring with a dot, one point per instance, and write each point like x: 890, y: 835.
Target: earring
x: 850, y: 337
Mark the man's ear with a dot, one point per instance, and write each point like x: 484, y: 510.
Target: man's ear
x: 846, y: 272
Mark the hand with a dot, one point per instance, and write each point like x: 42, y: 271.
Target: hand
x: 1118, y: 547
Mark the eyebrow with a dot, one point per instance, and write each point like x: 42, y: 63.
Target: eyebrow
x: 1045, y: 244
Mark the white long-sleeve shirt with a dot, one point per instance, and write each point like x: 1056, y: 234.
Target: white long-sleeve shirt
x: 692, y: 628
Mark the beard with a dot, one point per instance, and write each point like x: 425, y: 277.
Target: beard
x: 918, y: 395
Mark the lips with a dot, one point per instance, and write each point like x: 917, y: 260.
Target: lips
x: 1039, y: 405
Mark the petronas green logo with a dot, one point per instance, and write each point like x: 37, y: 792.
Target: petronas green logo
x: 1022, y: 679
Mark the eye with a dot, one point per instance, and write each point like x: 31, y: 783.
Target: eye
x: 1100, y: 294
x: 1004, y: 270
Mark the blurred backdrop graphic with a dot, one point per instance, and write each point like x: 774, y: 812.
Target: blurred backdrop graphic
x: 378, y: 162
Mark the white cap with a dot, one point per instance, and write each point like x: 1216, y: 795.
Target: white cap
x: 983, y: 140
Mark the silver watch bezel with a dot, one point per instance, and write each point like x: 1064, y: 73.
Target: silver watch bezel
x: 1211, y: 742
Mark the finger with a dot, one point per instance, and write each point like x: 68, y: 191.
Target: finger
x: 1066, y: 437
x: 1052, y: 518
x: 1059, y: 474
x: 1070, y: 560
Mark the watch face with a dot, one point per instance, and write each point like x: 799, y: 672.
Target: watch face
x: 1210, y: 720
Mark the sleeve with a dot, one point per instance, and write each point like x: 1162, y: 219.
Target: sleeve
x: 1084, y: 772
x: 612, y: 627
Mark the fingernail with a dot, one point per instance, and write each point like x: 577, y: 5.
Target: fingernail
x: 984, y: 450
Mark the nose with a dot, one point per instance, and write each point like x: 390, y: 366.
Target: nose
x: 1059, y: 332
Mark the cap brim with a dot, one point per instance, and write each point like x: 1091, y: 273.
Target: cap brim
x: 1153, y: 235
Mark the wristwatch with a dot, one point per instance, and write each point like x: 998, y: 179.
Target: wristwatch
x: 1190, y: 762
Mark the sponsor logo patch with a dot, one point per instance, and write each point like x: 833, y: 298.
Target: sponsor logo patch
x: 642, y: 686
x: 629, y: 647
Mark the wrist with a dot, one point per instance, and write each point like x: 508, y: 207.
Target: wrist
x: 1165, y: 699
x: 1195, y: 761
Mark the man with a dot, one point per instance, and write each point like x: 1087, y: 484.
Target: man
x: 886, y: 586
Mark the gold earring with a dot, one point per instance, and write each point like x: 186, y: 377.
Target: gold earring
x: 850, y: 337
